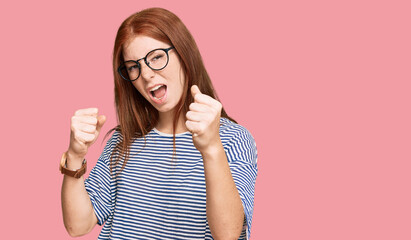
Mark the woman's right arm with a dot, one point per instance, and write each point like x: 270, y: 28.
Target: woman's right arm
x: 78, y: 214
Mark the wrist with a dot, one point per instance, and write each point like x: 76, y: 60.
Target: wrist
x: 74, y: 161
x: 213, y: 149
x: 72, y: 169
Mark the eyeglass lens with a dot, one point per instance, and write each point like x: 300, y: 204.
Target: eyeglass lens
x: 156, y: 60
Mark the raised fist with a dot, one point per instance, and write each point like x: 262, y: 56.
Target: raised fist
x: 85, y: 128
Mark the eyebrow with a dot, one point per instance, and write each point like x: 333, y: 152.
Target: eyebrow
x: 145, y: 54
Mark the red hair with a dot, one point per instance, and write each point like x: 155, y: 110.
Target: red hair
x: 135, y: 115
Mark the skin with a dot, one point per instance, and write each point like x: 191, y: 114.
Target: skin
x: 225, y: 212
x: 172, y: 76
x: 224, y: 209
x: 78, y: 214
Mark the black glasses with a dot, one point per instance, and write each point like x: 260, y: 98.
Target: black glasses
x: 156, y: 59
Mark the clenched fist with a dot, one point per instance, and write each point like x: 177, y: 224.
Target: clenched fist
x: 203, y: 120
x: 85, y: 128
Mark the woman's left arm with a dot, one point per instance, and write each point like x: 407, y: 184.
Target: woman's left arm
x: 225, y: 213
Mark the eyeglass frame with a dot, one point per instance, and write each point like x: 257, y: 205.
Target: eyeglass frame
x: 166, y: 50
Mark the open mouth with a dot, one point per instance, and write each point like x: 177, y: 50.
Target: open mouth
x: 159, y: 93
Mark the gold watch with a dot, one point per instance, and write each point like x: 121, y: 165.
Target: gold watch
x: 72, y: 173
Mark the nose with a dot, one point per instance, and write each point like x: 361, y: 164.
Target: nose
x: 146, y: 72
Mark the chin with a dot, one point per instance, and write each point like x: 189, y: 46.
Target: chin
x: 164, y: 109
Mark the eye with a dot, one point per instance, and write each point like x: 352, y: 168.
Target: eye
x: 157, y: 57
x: 132, y: 68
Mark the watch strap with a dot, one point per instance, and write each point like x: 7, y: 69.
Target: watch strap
x: 72, y: 173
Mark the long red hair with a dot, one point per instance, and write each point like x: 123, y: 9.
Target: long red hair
x: 135, y: 115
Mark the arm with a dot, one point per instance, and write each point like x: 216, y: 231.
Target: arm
x: 225, y: 213
x: 78, y: 214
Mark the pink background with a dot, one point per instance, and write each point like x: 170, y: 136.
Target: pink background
x: 323, y: 86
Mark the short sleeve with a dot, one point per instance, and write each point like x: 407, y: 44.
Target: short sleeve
x: 241, y: 152
x: 99, y: 185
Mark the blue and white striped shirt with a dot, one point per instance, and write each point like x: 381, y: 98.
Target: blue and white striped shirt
x: 158, y: 197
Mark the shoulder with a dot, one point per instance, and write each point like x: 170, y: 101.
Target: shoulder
x: 237, y: 140
x: 115, y: 137
x: 111, y: 143
x: 230, y: 129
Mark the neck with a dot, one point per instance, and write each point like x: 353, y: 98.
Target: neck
x: 165, y: 123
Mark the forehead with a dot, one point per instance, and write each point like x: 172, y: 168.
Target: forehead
x: 139, y: 46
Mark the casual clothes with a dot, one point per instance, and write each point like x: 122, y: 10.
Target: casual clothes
x: 158, y: 196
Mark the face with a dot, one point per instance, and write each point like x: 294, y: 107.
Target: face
x: 162, y: 88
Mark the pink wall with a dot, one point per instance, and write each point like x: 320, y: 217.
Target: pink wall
x: 324, y: 87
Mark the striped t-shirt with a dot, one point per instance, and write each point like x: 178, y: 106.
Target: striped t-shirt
x: 157, y: 196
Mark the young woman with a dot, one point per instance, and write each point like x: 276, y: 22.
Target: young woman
x: 177, y: 166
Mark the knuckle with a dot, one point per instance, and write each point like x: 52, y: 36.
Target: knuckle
x: 74, y: 127
x: 88, y: 137
x: 84, y: 128
x: 216, y: 105
x: 77, y: 112
x: 94, y: 120
x: 79, y: 126
x: 76, y: 133
x: 78, y: 138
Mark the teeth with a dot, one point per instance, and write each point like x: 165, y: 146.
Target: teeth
x: 155, y: 88
x: 159, y: 86
x: 158, y: 98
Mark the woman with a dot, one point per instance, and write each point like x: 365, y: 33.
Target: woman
x: 177, y: 166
